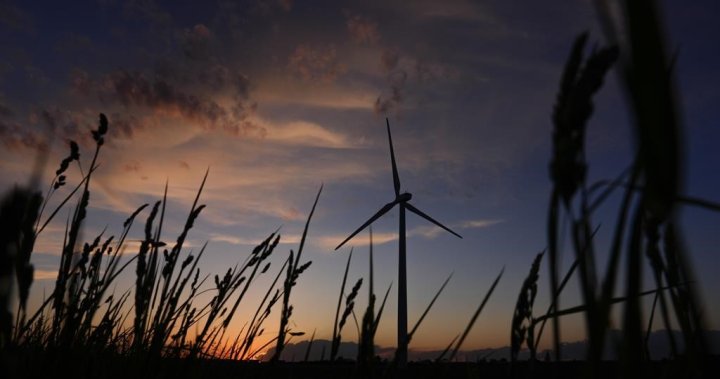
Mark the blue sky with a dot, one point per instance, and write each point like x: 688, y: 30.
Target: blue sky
x: 278, y: 97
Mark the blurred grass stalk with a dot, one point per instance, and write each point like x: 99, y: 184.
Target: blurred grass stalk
x: 647, y: 217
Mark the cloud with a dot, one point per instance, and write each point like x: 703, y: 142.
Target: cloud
x: 243, y: 241
x: 132, y: 167
x: 330, y: 242
x: 280, y: 91
x: 316, y: 63
x: 424, y: 231
x: 476, y: 224
x: 393, y: 96
x: 249, y: 178
x: 135, y: 90
x: 362, y: 30
x: 427, y: 71
x: 5, y: 110
x: 125, y: 125
x: 65, y: 123
x: 234, y: 240
x: 195, y: 42
x: 399, y: 68
x: 305, y: 133
x: 389, y: 59
x: 291, y: 214
x: 13, y: 17
x: 81, y: 82
x: 45, y: 274
x: 16, y: 137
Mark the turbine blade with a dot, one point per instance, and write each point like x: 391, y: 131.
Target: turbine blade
x: 376, y: 216
x: 396, y: 177
x: 423, y: 215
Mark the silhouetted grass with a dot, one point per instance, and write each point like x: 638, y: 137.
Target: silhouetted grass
x: 646, y: 224
x: 80, y: 315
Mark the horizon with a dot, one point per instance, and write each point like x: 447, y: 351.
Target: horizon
x: 659, y: 348
x: 276, y: 98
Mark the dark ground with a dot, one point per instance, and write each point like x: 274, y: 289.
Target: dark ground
x: 61, y: 364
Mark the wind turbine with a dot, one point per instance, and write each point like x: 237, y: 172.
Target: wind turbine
x: 401, y: 199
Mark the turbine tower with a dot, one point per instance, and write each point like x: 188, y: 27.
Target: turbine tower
x: 402, y: 200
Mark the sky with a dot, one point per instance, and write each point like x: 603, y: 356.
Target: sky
x: 277, y: 98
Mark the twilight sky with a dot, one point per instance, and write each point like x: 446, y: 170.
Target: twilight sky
x: 277, y: 97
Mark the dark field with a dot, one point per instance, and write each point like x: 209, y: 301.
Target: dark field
x: 87, y: 365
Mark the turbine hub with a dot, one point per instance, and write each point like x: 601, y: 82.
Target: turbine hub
x: 404, y: 197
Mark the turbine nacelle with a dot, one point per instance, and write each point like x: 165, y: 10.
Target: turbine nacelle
x: 403, y: 197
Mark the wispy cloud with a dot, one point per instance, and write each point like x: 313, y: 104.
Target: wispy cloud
x: 316, y: 63
x: 423, y: 231
x: 329, y: 242
x: 45, y: 274
x: 243, y: 241
x: 305, y: 133
x: 476, y: 224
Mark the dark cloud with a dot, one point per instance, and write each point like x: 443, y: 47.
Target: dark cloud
x: 242, y: 87
x: 393, y: 96
x: 5, y: 110
x: 362, y: 30
x: 396, y: 77
x: 216, y: 77
x: 15, y: 136
x: 236, y: 20
x: 195, y: 42
x: 389, y: 59
x: 399, y: 69
x: 13, y: 17
x: 242, y: 110
x: 136, y: 90
x: 316, y: 63
x: 124, y: 125
x: 427, y: 71
x: 63, y: 123
x: 245, y: 128
x: 81, y: 82
x: 184, y: 165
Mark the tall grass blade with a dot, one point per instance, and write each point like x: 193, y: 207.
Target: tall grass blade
x: 427, y: 309
x: 475, y: 315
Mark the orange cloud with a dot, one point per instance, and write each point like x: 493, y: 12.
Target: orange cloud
x: 316, y: 63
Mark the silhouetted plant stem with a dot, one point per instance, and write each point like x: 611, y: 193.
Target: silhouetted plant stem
x: 293, y: 272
